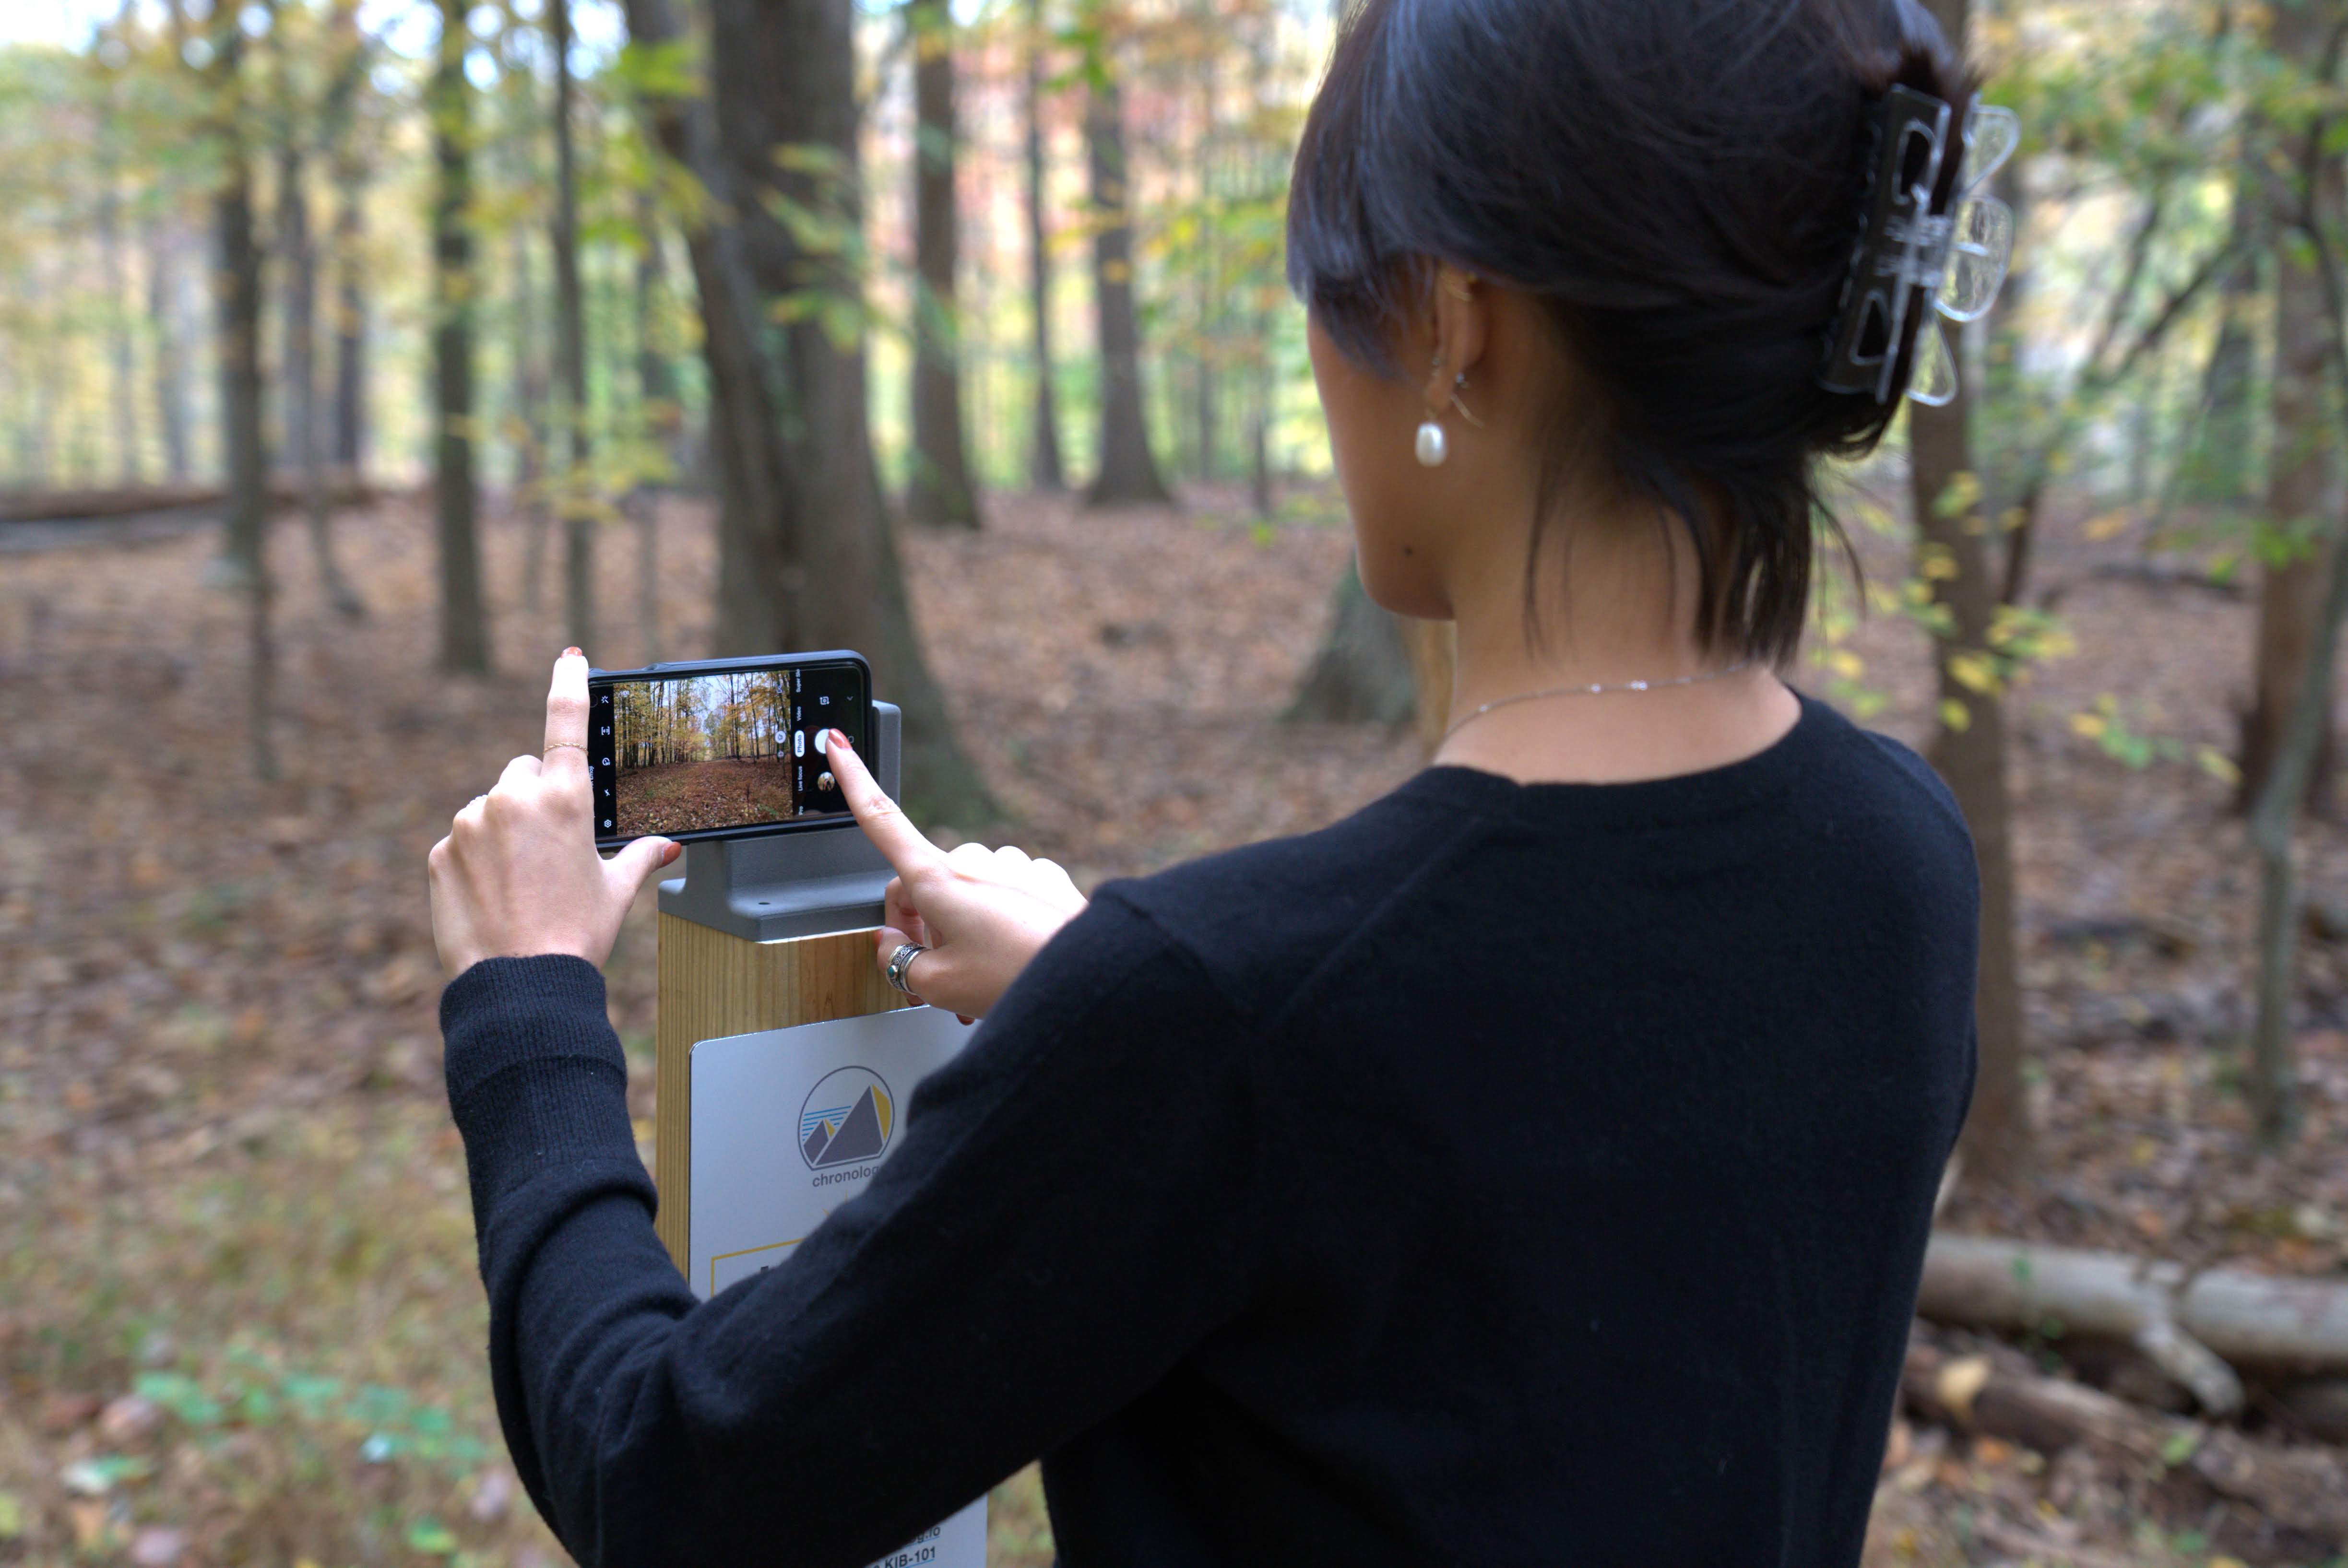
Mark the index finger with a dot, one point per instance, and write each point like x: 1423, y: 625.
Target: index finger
x: 566, y: 716
x: 897, y: 839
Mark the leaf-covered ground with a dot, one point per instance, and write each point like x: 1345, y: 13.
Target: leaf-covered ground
x: 239, y: 1321
x: 686, y: 797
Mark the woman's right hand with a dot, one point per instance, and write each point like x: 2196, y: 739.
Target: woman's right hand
x: 982, y: 914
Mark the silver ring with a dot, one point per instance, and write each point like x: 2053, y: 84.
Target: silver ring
x: 902, y: 960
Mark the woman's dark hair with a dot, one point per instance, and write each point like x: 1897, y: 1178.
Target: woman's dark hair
x: 1680, y: 181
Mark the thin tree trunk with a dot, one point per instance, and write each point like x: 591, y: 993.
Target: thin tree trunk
x: 112, y: 278
x: 163, y: 308
x: 1128, y: 472
x: 1363, y: 673
x: 1045, y: 469
x: 571, y: 353
x: 300, y: 376
x: 238, y: 292
x: 1970, y: 749
x: 940, y: 490
x: 464, y: 620
x: 656, y: 397
x: 2304, y: 462
x: 350, y: 171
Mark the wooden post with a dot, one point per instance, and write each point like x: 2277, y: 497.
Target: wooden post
x: 712, y: 983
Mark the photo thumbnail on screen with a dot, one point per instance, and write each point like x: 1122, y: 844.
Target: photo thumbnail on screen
x: 718, y: 751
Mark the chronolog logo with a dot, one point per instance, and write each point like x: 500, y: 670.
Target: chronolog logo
x: 847, y: 1119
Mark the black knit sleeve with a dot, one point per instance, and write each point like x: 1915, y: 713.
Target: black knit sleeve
x: 1072, y: 1209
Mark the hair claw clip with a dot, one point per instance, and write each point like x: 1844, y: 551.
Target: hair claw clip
x: 1948, y: 242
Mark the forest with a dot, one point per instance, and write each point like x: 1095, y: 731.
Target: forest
x: 358, y: 355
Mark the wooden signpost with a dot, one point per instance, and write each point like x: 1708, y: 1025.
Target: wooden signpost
x: 713, y: 984
x: 759, y: 934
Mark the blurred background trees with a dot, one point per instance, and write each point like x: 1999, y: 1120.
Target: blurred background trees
x: 852, y: 271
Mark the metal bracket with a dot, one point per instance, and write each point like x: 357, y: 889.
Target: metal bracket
x: 779, y: 886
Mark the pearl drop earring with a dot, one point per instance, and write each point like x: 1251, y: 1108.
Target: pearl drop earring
x: 1431, y: 446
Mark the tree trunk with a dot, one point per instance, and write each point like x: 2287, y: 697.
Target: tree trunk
x: 464, y: 622
x: 1969, y: 749
x: 300, y: 377
x: 2303, y: 464
x: 1045, y: 469
x: 757, y: 541
x: 1129, y: 473
x: 164, y: 309
x: 238, y: 290
x: 2254, y: 1320
x: 124, y: 396
x: 784, y: 75
x: 940, y: 489
x: 1363, y: 673
x: 570, y: 353
x: 658, y: 408
x: 350, y: 170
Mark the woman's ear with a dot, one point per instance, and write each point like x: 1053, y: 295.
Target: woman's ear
x: 1461, y: 316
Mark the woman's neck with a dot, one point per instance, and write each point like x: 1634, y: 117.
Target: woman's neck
x: 1620, y: 606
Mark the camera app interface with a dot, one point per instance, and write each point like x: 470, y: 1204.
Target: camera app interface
x: 700, y: 753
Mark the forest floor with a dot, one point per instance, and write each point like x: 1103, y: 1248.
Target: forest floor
x: 238, y: 1318
x: 685, y: 797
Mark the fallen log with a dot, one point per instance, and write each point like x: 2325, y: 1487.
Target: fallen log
x: 60, y: 505
x: 2174, y: 1313
x: 2297, y: 1497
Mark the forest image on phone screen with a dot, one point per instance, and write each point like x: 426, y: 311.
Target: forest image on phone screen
x: 719, y: 751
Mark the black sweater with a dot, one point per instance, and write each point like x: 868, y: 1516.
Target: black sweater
x: 1505, y: 1174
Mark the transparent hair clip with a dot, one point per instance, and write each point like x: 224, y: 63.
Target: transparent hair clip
x: 1908, y: 253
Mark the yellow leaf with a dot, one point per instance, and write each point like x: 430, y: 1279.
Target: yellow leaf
x: 1955, y: 715
x: 1938, y: 563
x: 2218, y: 765
x: 1974, y: 672
x: 1962, y: 495
x: 2088, y: 726
x: 1960, y: 1382
x: 1117, y: 272
x: 12, y: 1516
x: 1846, y: 663
x: 2111, y: 525
x: 2225, y: 1563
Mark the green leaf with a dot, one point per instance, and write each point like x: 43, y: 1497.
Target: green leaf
x: 429, y: 1535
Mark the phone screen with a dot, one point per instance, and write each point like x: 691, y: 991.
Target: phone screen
x: 713, y: 752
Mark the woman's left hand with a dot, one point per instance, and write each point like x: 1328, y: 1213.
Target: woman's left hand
x: 517, y: 875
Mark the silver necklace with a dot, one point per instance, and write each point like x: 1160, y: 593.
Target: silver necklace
x: 1594, y: 689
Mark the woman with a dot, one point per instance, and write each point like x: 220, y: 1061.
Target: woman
x: 1534, y: 1166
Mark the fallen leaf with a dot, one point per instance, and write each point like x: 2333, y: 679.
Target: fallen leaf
x: 1960, y: 1382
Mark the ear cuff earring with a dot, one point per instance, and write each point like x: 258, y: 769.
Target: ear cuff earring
x: 1431, y: 445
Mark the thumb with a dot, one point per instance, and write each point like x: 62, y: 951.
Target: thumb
x: 629, y: 870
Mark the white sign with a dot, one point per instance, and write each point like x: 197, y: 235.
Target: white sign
x: 788, y: 1124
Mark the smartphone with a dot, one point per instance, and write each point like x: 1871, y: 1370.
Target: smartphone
x: 722, y: 748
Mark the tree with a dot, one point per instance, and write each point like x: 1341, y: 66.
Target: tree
x: 661, y: 417
x: 464, y: 619
x: 237, y: 288
x: 1970, y: 747
x: 2307, y: 37
x: 299, y: 256
x: 1129, y: 473
x: 940, y: 490
x: 806, y: 551
x: 571, y: 350
x: 1044, y: 470
x: 350, y: 175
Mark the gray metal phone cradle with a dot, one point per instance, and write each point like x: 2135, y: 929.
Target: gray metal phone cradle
x: 811, y: 882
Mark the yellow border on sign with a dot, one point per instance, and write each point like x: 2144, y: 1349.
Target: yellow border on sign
x: 745, y: 1251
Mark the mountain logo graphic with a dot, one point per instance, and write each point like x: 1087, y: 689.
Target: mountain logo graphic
x: 847, y: 1119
